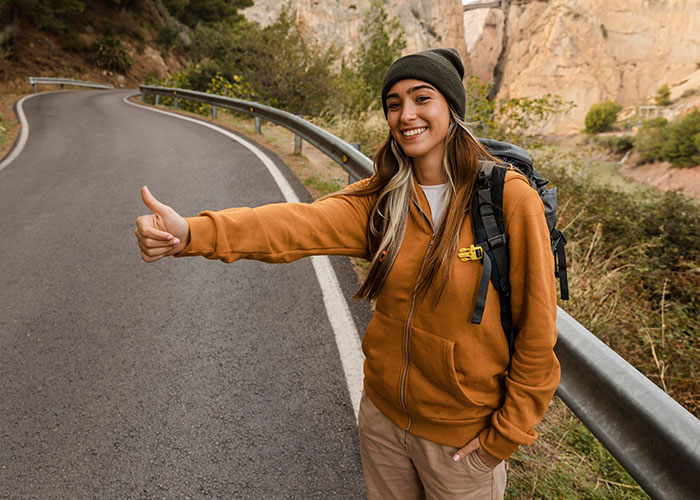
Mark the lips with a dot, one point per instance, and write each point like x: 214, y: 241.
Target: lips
x: 413, y: 131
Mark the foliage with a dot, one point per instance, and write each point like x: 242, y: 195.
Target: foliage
x: 283, y: 68
x: 168, y: 36
x: 633, y: 272
x: 601, y: 116
x: 54, y: 16
x: 109, y: 53
x: 288, y: 71
x: 663, y: 96
x: 191, y: 12
x: 677, y: 142
x: 199, y: 78
x: 382, y: 41
x: 616, y: 143
x: 650, y: 139
x: 680, y: 146
x: 514, y: 120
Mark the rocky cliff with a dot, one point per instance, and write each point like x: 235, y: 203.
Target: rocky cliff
x: 585, y: 50
x: 427, y: 23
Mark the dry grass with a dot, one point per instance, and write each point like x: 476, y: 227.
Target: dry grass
x: 8, y: 121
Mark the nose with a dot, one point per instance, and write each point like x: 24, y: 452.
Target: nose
x: 408, y: 111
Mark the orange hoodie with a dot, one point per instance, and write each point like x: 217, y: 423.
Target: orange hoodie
x: 427, y: 367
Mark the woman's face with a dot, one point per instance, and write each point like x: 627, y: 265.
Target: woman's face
x: 419, y: 118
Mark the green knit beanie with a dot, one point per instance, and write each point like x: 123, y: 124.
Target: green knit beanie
x: 442, y: 68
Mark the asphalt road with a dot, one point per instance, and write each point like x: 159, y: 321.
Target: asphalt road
x: 186, y: 378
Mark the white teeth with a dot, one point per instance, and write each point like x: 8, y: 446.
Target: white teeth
x: 414, y: 131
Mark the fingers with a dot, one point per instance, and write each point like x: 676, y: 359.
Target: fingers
x: 469, y: 448
x: 147, y: 227
x: 149, y: 254
x: 155, y: 243
x: 152, y: 203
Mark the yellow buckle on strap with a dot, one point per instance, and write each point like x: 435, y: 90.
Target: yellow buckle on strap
x: 471, y: 253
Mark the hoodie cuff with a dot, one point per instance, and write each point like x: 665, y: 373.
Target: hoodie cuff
x: 202, y: 231
x: 500, y: 446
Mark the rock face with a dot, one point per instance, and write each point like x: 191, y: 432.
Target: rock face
x: 426, y: 23
x: 586, y: 50
x: 484, y: 31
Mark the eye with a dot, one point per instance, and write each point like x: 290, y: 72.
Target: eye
x: 393, y: 105
x: 422, y: 98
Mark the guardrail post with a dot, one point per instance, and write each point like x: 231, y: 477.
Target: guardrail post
x: 62, y: 87
x: 258, y: 127
x: 213, y: 111
x: 352, y: 178
x: 157, y: 99
x: 33, y: 88
x: 297, y: 144
x: 175, y: 102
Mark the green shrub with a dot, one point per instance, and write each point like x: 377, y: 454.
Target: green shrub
x: 601, y: 116
x: 54, y: 16
x: 650, y: 139
x: 679, y: 147
x: 663, y: 96
x: 616, y: 143
x: 192, y: 12
x: 168, y: 36
x: 109, y: 53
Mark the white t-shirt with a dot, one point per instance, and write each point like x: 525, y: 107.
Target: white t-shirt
x: 436, y: 196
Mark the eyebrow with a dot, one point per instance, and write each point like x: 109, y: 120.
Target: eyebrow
x: 411, y: 90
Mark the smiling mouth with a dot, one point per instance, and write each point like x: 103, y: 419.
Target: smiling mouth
x: 414, y: 131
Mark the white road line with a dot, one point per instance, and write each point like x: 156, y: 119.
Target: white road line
x: 23, y: 133
x: 346, y: 337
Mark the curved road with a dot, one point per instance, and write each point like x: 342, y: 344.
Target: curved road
x: 186, y: 378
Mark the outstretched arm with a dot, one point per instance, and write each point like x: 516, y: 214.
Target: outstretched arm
x: 162, y: 233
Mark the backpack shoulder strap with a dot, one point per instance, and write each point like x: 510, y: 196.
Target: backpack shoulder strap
x: 489, y: 233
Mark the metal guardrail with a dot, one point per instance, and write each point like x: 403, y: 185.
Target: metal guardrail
x: 652, y: 436
x: 40, y: 80
x: 343, y: 153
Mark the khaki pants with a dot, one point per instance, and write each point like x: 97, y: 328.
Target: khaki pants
x: 399, y: 465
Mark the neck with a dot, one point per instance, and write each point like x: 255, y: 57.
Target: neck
x: 428, y: 171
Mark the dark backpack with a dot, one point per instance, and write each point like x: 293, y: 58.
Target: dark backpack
x: 489, y: 230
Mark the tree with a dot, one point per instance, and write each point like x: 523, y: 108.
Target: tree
x: 663, y: 96
x: 601, y: 116
x: 51, y: 15
x: 191, y: 12
x: 283, y: 68
x: 382, y: 43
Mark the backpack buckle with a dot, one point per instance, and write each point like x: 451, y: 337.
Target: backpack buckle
x: 471, y: 253
x: 497, y: 241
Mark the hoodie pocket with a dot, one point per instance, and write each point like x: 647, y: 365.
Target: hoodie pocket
x: 433, y: 390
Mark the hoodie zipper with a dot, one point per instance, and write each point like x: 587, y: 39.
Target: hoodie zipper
x: 408, y: 323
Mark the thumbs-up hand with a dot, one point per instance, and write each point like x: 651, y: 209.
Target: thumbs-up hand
x: 161, y: 233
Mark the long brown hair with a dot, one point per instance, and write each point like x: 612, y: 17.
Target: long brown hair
x: 393, y: 183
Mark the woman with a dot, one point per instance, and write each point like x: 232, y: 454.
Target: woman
x: 444, y: 403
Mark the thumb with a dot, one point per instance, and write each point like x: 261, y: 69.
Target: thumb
x: 469, y: 448
x: 152, y: 203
